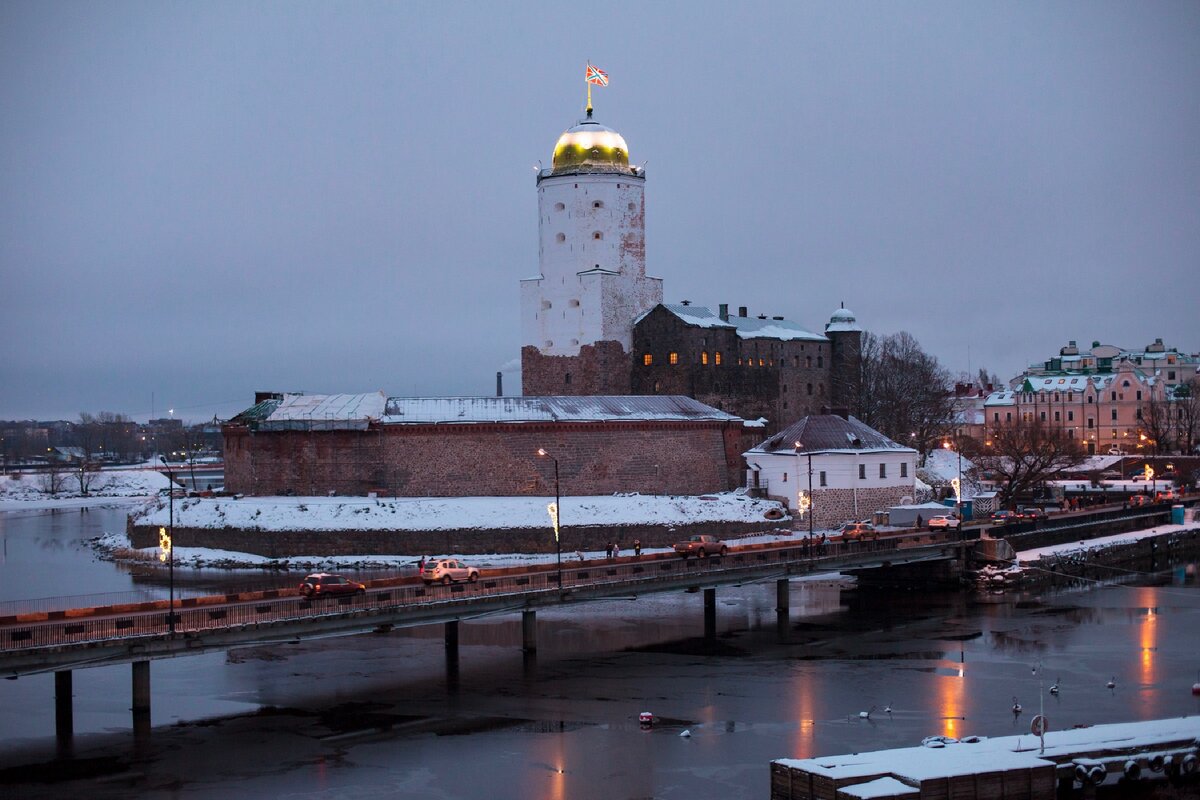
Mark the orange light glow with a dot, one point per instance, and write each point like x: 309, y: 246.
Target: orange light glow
x: 950, y: 693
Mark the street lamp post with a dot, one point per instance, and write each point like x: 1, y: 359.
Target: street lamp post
x: 170, y: 546
x: 554, y: 514
x: 799, y: 447
x: 957, y: 485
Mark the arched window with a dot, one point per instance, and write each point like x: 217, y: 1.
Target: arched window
x: 598, y: 204
x: 597, y: 235
x: 560, y: 237
x: 559, y: 207
x: 567, y: 379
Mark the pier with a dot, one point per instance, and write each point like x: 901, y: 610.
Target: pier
x: 1004, y: 768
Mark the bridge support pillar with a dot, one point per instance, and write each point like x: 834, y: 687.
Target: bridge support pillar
x: 529, y: 631
x: 783, y: 595
x: 141, y: 690
x: 452, y: 638
x: 710, y: 613
x: 64, y: 721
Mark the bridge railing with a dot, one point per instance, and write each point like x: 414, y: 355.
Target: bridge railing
x: 124, y: 622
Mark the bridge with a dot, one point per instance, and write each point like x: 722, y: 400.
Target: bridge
x: 67, y: 639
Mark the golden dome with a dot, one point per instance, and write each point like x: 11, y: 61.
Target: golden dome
x: 590, y: 147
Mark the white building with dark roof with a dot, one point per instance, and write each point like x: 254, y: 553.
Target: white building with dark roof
x: 855, y: 470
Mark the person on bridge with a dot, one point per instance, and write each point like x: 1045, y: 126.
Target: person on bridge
x: 616, y: 550
x: 637, y: 547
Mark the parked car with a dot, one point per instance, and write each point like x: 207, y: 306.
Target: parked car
x: 858, y: 531
x: 447, y: 571
x: 1138, y: 500
x: 1032, y: 512
x: 1004, y: 517
x: 702, y: 545
x: 944, y: 522
x: 323, y: 584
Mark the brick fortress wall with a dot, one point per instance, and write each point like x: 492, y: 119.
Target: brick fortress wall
x: 599, y: 369
x: 473, y: 460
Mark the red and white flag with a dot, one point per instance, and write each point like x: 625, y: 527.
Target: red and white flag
x: 597, y: 76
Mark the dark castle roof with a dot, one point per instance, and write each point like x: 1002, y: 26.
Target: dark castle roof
x: 828, y: 432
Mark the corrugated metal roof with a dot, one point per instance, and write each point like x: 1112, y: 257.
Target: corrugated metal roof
x: 442, y: 410
x: 824, y: 432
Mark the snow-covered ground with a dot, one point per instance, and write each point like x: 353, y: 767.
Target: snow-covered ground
x: 451, y: 513
x: 26, y: 491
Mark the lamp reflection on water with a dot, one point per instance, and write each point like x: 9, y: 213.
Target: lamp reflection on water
x: 802, y: 746
x: 951, y: 689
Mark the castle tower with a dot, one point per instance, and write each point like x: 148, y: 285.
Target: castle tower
x: 577, y: 315
x: 845, y: 363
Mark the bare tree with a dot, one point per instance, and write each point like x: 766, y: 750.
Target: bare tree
x: 53, y: 478
x: 1022, y: 455
x: 88, y: 434
x: 905, y: 393
x: 1187, y: 415
x: 1158, y: 424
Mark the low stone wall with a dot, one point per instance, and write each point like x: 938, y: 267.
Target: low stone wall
x: 288, y: 544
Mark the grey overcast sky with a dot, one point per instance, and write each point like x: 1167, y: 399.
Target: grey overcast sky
x: 201, y: 200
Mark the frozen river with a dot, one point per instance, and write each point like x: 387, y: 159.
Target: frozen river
x: 385, y: 715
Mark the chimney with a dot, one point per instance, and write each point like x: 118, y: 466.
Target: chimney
x: 499, y: 384
x: 741, y: 311
x: 685, y: 302
x: 723, y: 313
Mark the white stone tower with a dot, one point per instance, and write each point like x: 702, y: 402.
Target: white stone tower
x: 577, y: 315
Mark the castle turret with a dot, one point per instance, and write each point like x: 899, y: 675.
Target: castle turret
x: 845, y: 367
x: 577, y: 314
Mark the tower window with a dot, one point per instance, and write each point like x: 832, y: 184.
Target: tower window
x: 647, y: 360
x: 560, y: 237
x: 545, y: 304
x: 673, y: 358
x: 810, y: 390
x: 632, y: 207
x: 559, y: 207
x: 598, y: 204
x: 597, y: 235
x: 567, y: 379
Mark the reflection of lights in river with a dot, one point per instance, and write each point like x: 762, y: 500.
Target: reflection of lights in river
x: 951, y: 689
x: 802, y: 747
x: 1148, y: 635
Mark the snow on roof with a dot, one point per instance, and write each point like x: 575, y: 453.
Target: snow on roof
x: 442, y: 410
x: 1001, y: 399
x: 326, y: 411
x: 746, y: 327
x: 1000, y: 753
x: 828, y: 433
x: 880, y: 787
x: 942, y: 464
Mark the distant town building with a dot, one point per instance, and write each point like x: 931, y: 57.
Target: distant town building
x: 856, y: 470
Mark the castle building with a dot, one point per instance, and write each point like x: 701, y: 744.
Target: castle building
x: 593, y: 321
x: 577, y: 314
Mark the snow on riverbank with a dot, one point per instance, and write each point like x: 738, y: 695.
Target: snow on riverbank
x: 27, y: 491
x: 450, y: 513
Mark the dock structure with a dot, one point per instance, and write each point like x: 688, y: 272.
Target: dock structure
x: 1003, y: 768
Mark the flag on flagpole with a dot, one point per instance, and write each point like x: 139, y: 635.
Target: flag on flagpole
x: 597, y: 76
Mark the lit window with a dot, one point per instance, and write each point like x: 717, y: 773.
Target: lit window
x: 717, y: 358
x: 704, y: 357
x: 760, y: 361
x: 647, y: 360
x: 673, y: 358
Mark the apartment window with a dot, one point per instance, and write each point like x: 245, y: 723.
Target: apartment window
x: 1057, y: 417
x: 1170, y: 374
x: 1008, y: 416
x: 1043, y: 416
x: 1114, y: 397
x: 995, y: 416
x: 704, y: 357
x: 862, y: 472
x: 647, y: 360
x: 1070, y: 433
x: 883, y: 470
x: 903, y: 469
x: 1139, y: 394
x: 1091, y: 423
x: 673, y: 358
x: 1139, y: 413
x: 823, y: 478
x: 1114, y: 415
x: 1070, y: 416
x: 1091, y: 399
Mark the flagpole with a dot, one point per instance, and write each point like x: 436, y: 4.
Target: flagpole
x: 589, y: 88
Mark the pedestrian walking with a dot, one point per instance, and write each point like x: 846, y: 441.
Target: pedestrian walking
x: 421, y: 566
x: 637, y: 547
x: 616, y: 550
x: 608, y: 551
